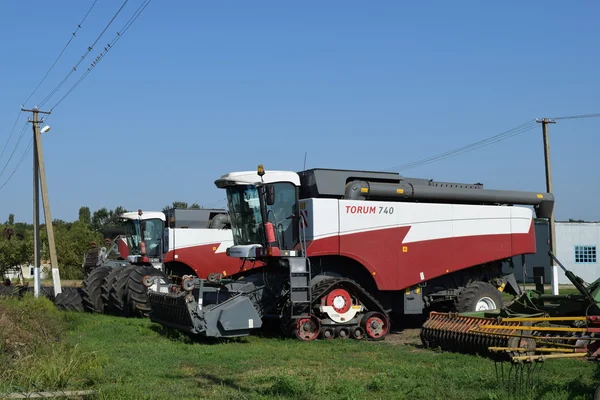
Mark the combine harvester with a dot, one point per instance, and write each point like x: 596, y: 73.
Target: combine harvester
x: 167, y: 246
x: 344, y: 250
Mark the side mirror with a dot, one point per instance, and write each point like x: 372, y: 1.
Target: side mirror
x: 270, y: 195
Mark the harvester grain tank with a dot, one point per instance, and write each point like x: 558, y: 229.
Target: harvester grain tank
x: 345, y: 249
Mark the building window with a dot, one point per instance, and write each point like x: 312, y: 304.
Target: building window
x: 585, y: 254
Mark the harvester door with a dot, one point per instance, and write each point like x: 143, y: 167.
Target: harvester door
x: 165, y: 241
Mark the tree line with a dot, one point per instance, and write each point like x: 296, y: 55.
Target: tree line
x: 72, y: 239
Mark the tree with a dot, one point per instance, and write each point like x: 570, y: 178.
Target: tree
x: 11, y: 219
x: 16, y: 250
x: 71, y: 245
x: 85, y: 216
x: 182, y: 204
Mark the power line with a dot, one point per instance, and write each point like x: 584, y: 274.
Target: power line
x: 107, y: 48
x: 15, y: 149
x: 525, y: 127
x: 29, y: 146
x: 62, y: 52
x: 89, y: 49
x: 596, y: 115
x: 11, y: 133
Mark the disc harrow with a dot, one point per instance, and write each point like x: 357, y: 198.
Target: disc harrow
x: 455, y: 332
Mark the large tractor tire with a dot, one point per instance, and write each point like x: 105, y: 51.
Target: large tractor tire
x: 92, y: 289
x: 117, y: 298
x: 137, y: 293
x: 107, y: 286
x: 479, y: 296
x: 70, y: 300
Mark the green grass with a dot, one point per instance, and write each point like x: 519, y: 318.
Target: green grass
x: 134, y: 358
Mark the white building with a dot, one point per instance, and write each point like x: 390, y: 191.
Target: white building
x: 27, y: 271
x: 577, y: 245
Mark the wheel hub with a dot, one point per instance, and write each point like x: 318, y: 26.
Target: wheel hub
x: 485, y: 304
x: 307, y: 328
x: 375, y: 325
x: 340, y: 300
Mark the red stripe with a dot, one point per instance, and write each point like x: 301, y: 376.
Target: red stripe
x: 381, y: 252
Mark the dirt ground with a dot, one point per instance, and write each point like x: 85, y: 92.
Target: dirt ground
x: 408, y: 337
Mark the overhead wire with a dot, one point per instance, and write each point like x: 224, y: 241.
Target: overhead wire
x: 89, y: 49
x: 525, y: 127
x: 29, y: 146
x: 10, y: 134
x: 595, y: 115
x: 106, y: 49
x: 15, y: 149
x: 62, y: 52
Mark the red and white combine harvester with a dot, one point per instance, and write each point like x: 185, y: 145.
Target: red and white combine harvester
x: 166, y: 245
x: 343, y: 250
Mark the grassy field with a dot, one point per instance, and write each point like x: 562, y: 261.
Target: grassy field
x: 135, y: 359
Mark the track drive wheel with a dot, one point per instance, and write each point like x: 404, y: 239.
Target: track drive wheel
x: 308, y: 328
x: 92, y: 289
x: 375, y: 324
x: 479, y: 296
x: 137, y: 292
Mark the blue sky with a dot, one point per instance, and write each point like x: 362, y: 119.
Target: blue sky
x: 198, y: 89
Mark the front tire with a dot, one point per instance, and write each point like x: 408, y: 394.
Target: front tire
x: 137, y: 292
x: 479, y: 296
x: 92, y: 289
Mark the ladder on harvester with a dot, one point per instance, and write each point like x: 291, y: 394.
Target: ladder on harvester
x: 300, y: 290
x: 300, y: 279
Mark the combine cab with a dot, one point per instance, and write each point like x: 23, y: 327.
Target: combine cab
x: 344, y: 250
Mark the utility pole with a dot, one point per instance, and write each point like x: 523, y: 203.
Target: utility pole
x: 39, y: 177
x: 545, y: 122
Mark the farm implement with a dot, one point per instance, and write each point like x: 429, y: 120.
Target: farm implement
x: 533, y: 328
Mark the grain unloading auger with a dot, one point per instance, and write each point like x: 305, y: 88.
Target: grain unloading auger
x: 533, y: 326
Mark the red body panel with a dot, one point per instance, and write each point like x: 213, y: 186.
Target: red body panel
x: 396, y: 266
x: 204, y: 261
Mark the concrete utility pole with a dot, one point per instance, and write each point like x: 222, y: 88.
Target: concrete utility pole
x: 545, y: 122
x: 39, y: 176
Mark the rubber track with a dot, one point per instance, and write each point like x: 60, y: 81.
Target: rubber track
x: 117, y: 292
x: 330, y: 283
x: 92, y: 289
x: 106, y: 291
x: 70, y: 300
x: 137, y: 293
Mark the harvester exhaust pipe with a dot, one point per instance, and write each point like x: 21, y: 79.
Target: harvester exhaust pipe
x: 363, y: 190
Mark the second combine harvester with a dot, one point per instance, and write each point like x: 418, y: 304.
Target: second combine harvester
x: 344, y: 250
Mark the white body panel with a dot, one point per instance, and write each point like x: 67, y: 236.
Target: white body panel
x: 252, y: 177
x: 145, y: 215
x: 180, y: 238
x: 330, y: 217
